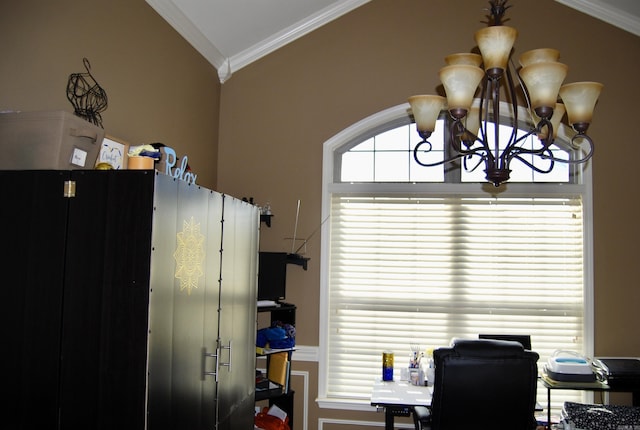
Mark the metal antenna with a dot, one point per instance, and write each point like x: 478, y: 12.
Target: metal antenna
x: 295, y: 229
x: 304, y: 243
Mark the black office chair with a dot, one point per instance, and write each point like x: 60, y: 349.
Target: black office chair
x: 524, y: 339
x: 482, y: 384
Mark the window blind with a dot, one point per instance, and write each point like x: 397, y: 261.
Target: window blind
x: 416, y: 270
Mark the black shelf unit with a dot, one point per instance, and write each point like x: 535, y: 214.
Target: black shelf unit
x: 281, y: 311
x: 266, y: 218
x: 285, y: 313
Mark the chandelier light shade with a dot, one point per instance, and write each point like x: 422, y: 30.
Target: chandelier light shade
x: 580, y: 100
x: 540, y: 55
x: 426, y: 110
x: 495, y: 44
x: 543, y: 80
x: 460, y: 82
x: 477, y: 84
x: 463, y: 58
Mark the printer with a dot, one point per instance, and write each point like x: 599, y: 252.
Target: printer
x: 569, y: 366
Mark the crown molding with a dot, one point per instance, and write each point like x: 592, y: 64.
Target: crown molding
x: 226, y: 66
x: 185, y: 27
x: 292, y: 33
x: 606, y: 13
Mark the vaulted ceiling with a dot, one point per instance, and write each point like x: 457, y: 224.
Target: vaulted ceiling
x: 233, y: 33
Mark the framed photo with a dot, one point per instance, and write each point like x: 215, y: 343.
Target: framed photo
x: 114, y: 152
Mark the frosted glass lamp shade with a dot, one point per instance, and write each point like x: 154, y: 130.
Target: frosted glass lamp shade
x: 460, y: 83
x: 543, y: 81
x: 426, y: 109
x: 472, y: 123
x: 580, y: 99
x: 495, y: 44
x: 541, y: 55
x: 463, y: 58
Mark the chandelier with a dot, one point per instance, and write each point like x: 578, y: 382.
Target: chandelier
x: 540, y: 80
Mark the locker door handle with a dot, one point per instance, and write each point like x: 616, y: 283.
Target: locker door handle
x: 228, y: 365
x: 215, y: 355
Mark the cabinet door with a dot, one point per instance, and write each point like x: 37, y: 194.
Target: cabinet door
x: 34, y: 219
x: 238, y: 294
x: 185, y: 268
x: 106, y: 293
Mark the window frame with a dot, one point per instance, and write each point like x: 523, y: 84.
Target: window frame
x: 394, y: 117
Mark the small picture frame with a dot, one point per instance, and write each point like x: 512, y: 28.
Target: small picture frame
x: 114, y: 152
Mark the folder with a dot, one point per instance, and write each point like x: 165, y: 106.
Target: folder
x: 278, y: 368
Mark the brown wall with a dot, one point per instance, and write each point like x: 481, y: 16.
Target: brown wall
x: 261, y: 133
x: 277, y: 112
x: 159, y: 88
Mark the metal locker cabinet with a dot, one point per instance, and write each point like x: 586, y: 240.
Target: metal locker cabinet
x: 103, y: 331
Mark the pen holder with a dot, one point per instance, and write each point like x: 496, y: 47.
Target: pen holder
x: 413, y: 375
x: 416, y: 376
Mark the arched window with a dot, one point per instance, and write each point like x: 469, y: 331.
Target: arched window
x: 415, y: 255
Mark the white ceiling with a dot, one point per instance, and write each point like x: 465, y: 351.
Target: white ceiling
x: 233, y: 33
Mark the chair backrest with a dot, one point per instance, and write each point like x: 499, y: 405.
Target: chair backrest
x: 524, y: 339
x: 484, y: 384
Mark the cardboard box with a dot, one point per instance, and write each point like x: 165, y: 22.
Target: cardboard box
x: 48, y: 140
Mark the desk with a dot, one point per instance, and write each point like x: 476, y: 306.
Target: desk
x: 550, y: 384
x: 399, y: 398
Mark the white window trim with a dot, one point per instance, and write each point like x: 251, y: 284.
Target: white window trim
x: 328, y: 187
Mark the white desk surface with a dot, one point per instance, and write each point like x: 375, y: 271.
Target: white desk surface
x: 400, y: 393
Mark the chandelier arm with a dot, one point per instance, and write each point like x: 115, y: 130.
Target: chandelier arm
x: 511, y: 89
x: 460, y: 135
x: 551, y: 159
x: 416, y: 150
x: 456, y: 130
x: 495, y: 98
x: 545, y: 122
x: 513, y: 148
x: 484, y: 115
x: 511, y: 93
x: 584, y: 159
x: 482, y: 159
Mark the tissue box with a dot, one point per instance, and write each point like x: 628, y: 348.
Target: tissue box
x: 48, y: 140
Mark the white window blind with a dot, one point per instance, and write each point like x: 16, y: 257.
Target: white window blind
x: 423, y: 270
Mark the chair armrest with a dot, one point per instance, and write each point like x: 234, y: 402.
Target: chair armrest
x: 421, y: 415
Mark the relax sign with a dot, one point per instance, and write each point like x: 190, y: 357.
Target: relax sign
x: 180, y: 171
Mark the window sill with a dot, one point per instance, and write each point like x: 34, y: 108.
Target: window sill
x: 345, y: 404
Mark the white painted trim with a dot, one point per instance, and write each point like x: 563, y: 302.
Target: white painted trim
x: 359, y: 424
x: 606, y: 13
x: 227, y: 66
x: 293, y: 32
x: 305, y: 396
x: 345, y: 404
x: 183, y: 25
x: 305, y: 353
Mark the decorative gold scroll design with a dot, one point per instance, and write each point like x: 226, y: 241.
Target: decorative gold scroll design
x: 189, y: 255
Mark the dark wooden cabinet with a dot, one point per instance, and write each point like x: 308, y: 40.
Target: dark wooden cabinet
x: 128, y: 305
